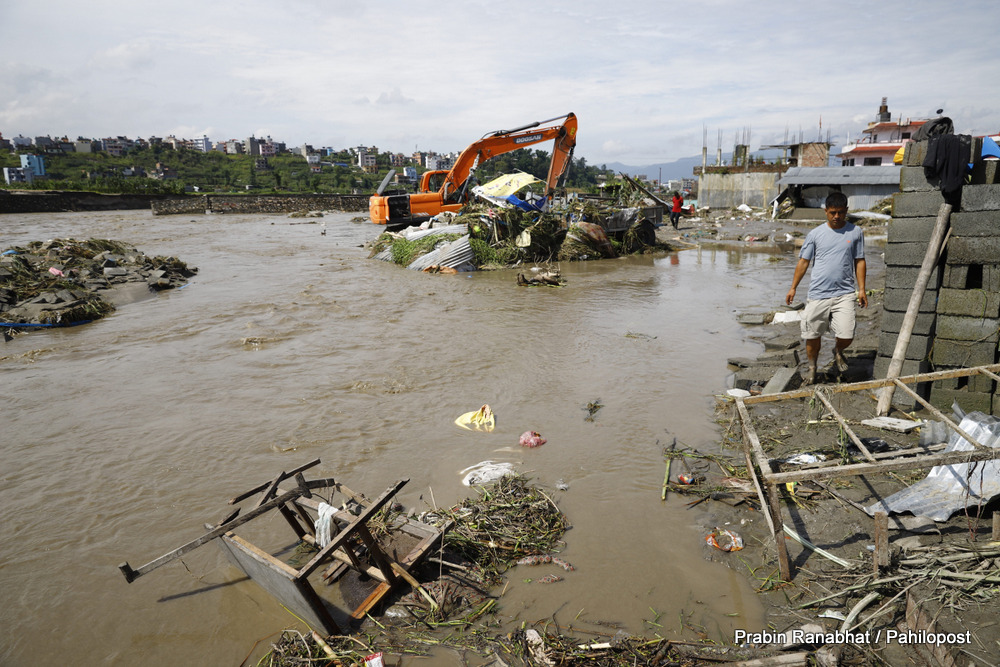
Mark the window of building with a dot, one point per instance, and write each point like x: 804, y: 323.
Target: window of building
x: 906, y: 135
x: 849, y: 162
x: 873, y: 161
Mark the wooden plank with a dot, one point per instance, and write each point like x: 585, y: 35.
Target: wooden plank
x: 843, y: 424
x: 292, y: 521
x: 257, y: 489
x: 892, y: 424
x: 376, y: 553
x: 872, y: 384
x: 940, y: 415
x: 880, y: 558
x: 278, y: 579
x: 762, y: 460
x: 270, y: 489
x: 131, y: 575
x: 919, y: 286
x: 853, y: 469
x: 774, y: 507
x: 985, y: 372
x: 752, y: 470
x: 365, y: 514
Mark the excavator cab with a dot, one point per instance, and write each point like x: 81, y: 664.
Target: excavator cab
x: 431, y: 181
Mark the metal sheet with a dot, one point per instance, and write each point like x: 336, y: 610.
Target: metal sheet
x: 452, y: 255
x: 948, y: 489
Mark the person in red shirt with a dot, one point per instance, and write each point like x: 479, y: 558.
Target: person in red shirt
x: 675, y: 208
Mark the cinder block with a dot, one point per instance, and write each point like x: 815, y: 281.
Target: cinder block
x: 910, y: 230
x: 916, y: 349
x: 955, y: 275
x: 974, y: 223
x: 980, y: 383
x: 912, y: 179
x: 985, y: 172
x: 899, y: 299
x: 969, y: 401
x: 914, y: 153
x: 780, y: 357
x: 910, y: 367
x: 961, y: 354
x: 905, y: 254
x: 892, y: 321
x: 991, y: 277
x: 916, y: 204
x: 747, y: 377
x: 973, y: 250
x: 784, y: 379
x: 968, y: 302
x: 981, y: 197
x: 906, y: 276
x: 956, y: 327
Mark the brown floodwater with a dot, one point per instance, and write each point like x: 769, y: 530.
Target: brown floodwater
x: 121, y: 438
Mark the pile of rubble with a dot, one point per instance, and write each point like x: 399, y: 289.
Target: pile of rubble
x: 60, y: 282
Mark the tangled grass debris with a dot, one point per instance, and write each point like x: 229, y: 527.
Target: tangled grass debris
x: 60, y: 281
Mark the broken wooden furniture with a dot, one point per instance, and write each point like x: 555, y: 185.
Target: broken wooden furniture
x: 352, y: 546
x: 766, y: 478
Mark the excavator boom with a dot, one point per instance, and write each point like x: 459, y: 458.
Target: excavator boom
x: 401, y: 210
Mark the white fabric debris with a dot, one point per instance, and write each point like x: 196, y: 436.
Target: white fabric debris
x: 323, y: 522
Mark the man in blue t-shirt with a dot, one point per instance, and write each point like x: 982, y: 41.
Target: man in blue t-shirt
x: 838, y: 277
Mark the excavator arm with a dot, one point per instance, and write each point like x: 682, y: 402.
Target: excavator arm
x: 400, y: 210
x: 505, y: 141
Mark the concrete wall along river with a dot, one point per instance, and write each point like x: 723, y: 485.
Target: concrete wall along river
x: 122, y: 437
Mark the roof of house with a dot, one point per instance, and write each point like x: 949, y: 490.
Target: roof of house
x: 881, y: 175
x: 875, y: 148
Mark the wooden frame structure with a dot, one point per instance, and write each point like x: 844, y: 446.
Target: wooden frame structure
x: 766, y: 479
x: 352, y: 546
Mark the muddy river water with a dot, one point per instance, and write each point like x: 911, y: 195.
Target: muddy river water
x: 120, y: 438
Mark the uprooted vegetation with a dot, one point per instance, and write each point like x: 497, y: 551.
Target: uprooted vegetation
x: 59, y: 281
x: 487, y: 236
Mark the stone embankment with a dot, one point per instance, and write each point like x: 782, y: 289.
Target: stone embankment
x: 58, y: 201
x: 259, y: 204
x: 62, y: 282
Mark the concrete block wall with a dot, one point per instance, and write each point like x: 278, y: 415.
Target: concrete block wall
x: 958, y: 322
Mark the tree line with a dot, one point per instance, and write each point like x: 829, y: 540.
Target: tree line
x: 186, y: 170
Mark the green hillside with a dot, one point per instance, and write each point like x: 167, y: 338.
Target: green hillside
x: 194, y: 171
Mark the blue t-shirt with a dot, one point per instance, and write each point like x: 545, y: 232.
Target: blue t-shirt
x: 833, y: 252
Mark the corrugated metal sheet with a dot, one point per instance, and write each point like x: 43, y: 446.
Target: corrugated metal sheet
x: 884, y: 175
x: 452, y: 255
x: 413, y: 233
x: 864, y: 197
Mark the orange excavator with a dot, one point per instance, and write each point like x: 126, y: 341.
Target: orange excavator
x: 450, y: 190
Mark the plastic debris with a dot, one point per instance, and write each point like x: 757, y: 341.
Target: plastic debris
x: 686, y: 479
x: 478, y: 420
x: 949, y: 488
x: 803, y: 459
x: 737, y: 393
x: 725, y: 540
x: 532, y: 439
x: 374, y: 660
x: 486, y: 472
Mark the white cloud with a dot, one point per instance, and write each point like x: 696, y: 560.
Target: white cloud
x: 644, y: 77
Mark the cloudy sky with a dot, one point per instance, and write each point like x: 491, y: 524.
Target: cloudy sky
x: 646, y: 79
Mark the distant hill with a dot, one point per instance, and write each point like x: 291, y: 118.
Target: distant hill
x: 684, y: 167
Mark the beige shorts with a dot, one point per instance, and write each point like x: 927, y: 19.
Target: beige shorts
x: 835, y: 313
